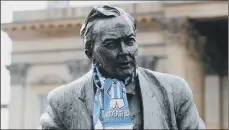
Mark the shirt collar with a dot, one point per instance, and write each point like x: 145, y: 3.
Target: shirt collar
x: 130, y: 89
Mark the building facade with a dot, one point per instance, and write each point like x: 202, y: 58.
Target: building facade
x: 173, y: 38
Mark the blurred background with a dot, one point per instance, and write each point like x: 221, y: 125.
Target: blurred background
x: 41, y: 49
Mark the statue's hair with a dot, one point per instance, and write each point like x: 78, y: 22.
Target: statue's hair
x: 100, y: 13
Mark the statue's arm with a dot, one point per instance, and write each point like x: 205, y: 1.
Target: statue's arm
x: 187, y: 115
x: 50, y: 119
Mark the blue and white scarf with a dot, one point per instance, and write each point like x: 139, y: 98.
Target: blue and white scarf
x: 111, y: 109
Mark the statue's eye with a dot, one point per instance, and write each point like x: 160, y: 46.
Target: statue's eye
x: 110, y: 45
x: 130, y: 41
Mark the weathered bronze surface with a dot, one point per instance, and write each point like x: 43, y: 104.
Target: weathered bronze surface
x: 109, y: 38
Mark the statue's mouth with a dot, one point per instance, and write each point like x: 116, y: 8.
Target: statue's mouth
x: 125, y: 65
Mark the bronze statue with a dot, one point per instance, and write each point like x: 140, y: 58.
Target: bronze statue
x: 116, y: 92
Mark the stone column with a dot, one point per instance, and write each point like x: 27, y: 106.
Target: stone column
x: 225, y: 102
x: 18, y: 74
x: 184, y: 48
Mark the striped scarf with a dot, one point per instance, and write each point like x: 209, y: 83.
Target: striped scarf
x: 111, y: 109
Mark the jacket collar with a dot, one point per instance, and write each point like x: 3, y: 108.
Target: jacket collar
x: 87, y: 91
x: 147, y: 86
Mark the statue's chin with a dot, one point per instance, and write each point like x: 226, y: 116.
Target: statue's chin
x: 122, y: 74
x: 117, y: 73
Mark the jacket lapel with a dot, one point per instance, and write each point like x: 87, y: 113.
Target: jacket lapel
x: 151, y: 107
x: 86, y: 95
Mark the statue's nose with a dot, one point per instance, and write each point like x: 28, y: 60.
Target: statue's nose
x: 124, y: 48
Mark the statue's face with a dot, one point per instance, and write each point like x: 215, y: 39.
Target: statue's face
x: 115, y: 47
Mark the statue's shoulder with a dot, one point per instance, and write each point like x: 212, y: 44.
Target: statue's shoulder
x: 68, y: 90
x: 169, y: 81
x: 160, y: 75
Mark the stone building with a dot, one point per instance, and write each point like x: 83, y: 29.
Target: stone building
x: 187, y: 39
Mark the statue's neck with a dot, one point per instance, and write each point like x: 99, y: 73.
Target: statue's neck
x: 105, y: 74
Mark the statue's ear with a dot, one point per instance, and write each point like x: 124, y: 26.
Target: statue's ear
x: 89, y: 54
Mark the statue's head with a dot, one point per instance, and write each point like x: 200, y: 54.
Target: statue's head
x: 109, y: 38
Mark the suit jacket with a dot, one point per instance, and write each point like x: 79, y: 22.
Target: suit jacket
x: 167, y: 103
